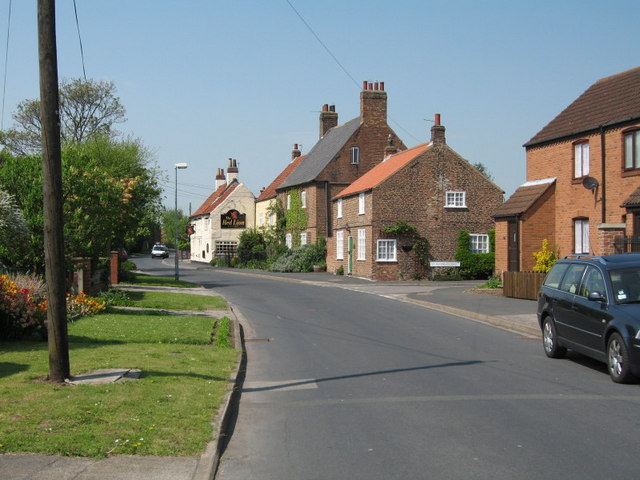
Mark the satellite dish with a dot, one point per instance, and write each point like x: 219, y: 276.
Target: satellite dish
x: 589, y: 183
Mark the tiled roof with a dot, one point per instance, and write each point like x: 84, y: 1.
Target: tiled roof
x: 382, y: 171
x: 609, y: 101
x: 633, y: 200
x: 270, y: 191
x: 321, y: 154
x: 215, y: 199
x: 523, y: 198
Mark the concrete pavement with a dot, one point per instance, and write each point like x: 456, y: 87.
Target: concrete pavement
x: 456, y: 298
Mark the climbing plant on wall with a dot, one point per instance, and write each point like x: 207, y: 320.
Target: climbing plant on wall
x: 296, y: 217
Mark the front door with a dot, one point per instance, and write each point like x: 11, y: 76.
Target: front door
x: 513, y: 245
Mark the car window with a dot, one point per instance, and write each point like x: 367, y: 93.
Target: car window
x: 593, y: 282
x: 626, y: 285
x: 555, y: 275
x: 571, y: 280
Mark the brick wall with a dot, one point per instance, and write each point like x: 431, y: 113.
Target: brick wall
x: 575, y: 201
x: 416, y: 195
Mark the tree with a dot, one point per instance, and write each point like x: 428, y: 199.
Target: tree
x: 168, y: 219
x: 13, y: 227
x: 87, y: 109
x: 111, y: 198
x: 482, y: 168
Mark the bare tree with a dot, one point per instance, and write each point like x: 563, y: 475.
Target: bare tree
x: 87, y: 108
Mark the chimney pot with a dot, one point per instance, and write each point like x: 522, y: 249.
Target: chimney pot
x: 375, y: 86
x: 325, y: 107
x: 382, y: 86
x: 437, y: 119
x: 364, y: 85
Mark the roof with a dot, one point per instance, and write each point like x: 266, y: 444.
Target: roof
x: 270, y: 191
x: 321, y: 154
x: 609, y: 101
x: 633, y: 200
x: 382, y: 171
x: 215, y: 199
x: 524, y: 198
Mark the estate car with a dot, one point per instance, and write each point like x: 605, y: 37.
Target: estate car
x: 591, y: 304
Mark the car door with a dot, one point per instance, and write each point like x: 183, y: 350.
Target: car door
x: 590, y: 316
x: 566, y: 319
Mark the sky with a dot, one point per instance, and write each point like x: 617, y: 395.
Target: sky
x: 207, y: 80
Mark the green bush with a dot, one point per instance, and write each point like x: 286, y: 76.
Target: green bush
x: 116, y: 297
x: 475, y: 266
x: 126, y: 270
x: 302, y: 259
x: 251, y: 246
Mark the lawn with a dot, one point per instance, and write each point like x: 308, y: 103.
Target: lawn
x: 166, y: 412
x: 175, y: 301
x: 144, y: 279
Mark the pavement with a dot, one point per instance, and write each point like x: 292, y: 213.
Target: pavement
x: 462, y: 299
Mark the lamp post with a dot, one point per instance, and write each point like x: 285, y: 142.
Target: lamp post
x: 177, y: 166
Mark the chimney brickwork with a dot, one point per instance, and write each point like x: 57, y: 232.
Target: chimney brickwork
x: 437, y: 131
x: 373, y: 103
x: 328, y: 118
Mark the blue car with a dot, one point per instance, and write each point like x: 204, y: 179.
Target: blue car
x: 591, y: 305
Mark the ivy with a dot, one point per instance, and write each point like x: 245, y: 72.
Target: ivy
x: 406, y: 232
x: 296, y: 217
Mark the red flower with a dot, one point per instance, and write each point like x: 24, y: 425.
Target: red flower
x: 25, y: 291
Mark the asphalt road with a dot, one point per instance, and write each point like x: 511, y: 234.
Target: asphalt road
x: 346, y: 385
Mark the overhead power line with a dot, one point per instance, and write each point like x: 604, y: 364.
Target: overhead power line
x: 6, y: 63
x: 75, y: 9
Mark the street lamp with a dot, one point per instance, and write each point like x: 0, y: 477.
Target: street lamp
x: 177, y: 166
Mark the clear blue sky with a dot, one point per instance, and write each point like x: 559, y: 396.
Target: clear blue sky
x: 206, y: 80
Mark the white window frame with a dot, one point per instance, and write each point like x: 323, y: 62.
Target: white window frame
x: 581, y: 159
x: 288, y: 201
x: 479, y: 243
x: 339, y: 208
x: 632, y: 150
x: 361, y: 203
x: 340, y: 245
x: 455, y: 199
x: 304, y: 238
x: 288, y: 240
x: 261, y: 219
x: 386, y: 250
x: 355, y: 155
x: 581, y: 235
x: 303, y: 199
x: 362, y: 244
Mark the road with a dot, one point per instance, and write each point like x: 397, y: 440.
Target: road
x: 346, y: 385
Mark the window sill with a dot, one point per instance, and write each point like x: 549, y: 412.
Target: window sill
x: 456, y: 207
x: 386, y: 261
x: 631, y: 173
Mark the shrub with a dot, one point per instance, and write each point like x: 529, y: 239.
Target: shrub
x: 545, y: 258
x: 302, y: 259
x: 126, y: 270
x: 340, y: 270
x: 116, y: 298
x: 23, y: 310
x: 82, y: 305
x: 475, y: 266
x: 251, y: 246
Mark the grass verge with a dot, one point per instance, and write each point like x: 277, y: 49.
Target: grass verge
x: 148, y: 280
x: 175, y: 301
x: 167, y: 412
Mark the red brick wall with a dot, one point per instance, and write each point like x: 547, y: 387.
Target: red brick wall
x: 572, y: 199
x: 416, y: 194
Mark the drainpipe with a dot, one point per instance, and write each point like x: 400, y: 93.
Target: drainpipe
x: 603, y: 158
x: 327, y: 201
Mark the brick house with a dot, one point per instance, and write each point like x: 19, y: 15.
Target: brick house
x: 219, y: 221
x: 429, y: 186
x: 583, y: 180
x: 342, y: 154
x: 265, y: 217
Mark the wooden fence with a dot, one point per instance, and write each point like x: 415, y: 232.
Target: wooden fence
x: 522, y: 284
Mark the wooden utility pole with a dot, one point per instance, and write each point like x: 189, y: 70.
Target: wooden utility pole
x: 59, y: 368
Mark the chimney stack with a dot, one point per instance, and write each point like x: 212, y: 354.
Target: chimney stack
x: 232, y: 171
x: 390, y: 149
x: 295, y: 153
x: 373, y: 103
x: 220, y: 179
x: 437, y: 131
x: 328, y: 118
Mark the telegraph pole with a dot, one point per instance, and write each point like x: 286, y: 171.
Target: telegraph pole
x: 59, y: 368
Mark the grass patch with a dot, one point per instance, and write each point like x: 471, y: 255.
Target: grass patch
x: 167, y: 412
x: 175, y: 301
x: 148, y: 280
x: 222, y: 337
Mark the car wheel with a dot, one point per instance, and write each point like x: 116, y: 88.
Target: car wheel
x: 550, y: 340
x: 618, y: 360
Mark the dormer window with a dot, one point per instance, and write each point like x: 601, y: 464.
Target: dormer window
x: 581, y: 159
x: 355, y: 155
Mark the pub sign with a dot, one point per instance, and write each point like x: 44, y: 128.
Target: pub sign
x: 233, y: 219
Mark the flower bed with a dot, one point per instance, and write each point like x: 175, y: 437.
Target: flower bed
x: 23, y: 307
